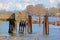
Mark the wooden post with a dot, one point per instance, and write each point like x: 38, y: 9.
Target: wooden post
x: 29, y: 24
x: 40, y: 20
x: 46, y: 25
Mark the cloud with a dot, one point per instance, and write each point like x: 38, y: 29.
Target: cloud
x: 58, y: 1
x: 6, y: 6
x: 29, y: 0
x: 52, y: 1
x: 26, y: 0
x: 1, y: 5
x: 19, y: 6
x: 10, y: 4
x: 13, y: 6
x: 25, y: 5
x: 36, y: 0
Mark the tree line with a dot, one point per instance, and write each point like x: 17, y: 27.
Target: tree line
x: 41, y: 10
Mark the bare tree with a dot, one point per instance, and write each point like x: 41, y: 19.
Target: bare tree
x: 58, y: 6
x: 40, y: 9
x: 30, y: 9
x: 53, y: 11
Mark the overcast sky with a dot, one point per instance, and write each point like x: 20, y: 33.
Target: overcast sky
x: 21, y: 4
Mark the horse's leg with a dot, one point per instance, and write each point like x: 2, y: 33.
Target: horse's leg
x: 9, y: 28
x: 19, y: 27
x: 23, y: 28
x: 12, y: 28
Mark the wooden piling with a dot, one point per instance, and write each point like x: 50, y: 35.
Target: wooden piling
x: 40, y: 20
x: 46, y: 25
x: 29, y: 24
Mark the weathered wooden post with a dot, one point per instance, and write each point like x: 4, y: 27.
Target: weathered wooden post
x: 46, y: 25
x: 29, y: 24
x: 40, y: 20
